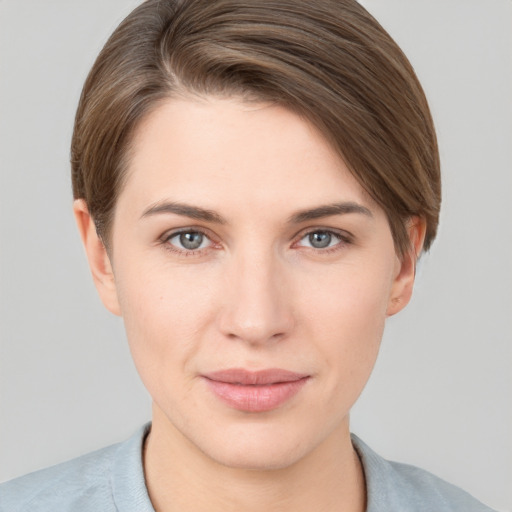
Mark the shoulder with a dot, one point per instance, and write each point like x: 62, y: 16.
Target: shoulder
x: 63, y: 486
x: 401, y: 487
x: 87, y: 483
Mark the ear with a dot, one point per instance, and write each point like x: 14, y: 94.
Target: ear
x: 99, y: 261
x: 403, y: 283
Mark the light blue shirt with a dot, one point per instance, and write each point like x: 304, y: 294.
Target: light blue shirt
x: 112, y: 480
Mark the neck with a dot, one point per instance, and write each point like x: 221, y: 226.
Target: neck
x: 181, y: 478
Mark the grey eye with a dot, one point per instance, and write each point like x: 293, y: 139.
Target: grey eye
x: 320, y: 239
x: 192, y: 240
x: 189, y: 240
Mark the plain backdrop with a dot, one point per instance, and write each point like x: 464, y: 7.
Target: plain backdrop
x: 440, y: 396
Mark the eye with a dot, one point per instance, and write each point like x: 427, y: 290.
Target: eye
x: 188, y: 240
x: 322, y: 239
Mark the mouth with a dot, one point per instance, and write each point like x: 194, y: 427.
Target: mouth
x: 258, y: 391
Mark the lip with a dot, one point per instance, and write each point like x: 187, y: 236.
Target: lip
x: 258, y: 391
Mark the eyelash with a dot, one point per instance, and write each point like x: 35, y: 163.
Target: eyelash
x: 167, y: 237
x: 344, y: 239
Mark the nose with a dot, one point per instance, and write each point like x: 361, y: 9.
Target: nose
x: 257, y: 306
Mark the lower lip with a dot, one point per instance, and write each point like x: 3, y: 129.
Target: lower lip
x: 255, y: 398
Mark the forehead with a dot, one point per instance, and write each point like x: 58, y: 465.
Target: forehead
x: 235, y: 153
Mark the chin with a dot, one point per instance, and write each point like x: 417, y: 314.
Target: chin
x: 258, y: 447
x: 256, y: 458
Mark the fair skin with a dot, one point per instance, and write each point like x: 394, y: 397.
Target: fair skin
x: 241, y: 241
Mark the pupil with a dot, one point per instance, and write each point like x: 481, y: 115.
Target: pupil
x: 191, y: 240
x: 320, y: 239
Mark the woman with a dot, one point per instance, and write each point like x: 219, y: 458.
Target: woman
x: 253, y: 186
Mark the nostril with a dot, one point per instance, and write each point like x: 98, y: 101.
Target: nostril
x: 270, y: 329
x: 255, y: 307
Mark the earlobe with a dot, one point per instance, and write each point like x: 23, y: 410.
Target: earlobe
x: 403, y: 283
x: 99, y: 261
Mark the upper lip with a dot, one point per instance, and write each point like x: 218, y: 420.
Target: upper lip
x: 254, y: 378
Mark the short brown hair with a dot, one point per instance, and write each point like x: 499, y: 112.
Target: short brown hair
x: 328, y: 60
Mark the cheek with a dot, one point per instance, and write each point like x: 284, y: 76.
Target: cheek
x: 346, y: 315
x: 348, y: 296
x: 164, y: 313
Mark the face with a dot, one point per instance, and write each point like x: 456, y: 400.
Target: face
x: 254, y: 276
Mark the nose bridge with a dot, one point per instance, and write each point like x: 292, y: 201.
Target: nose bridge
x: 257, y: 308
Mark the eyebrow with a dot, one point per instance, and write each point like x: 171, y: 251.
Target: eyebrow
x: 185, y: 210
x: 196, y: 212
x: 319, y: 212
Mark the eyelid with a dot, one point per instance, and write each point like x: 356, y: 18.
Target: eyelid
x: 345, y: 237
x: 178, y: 231
x: 171, y: 233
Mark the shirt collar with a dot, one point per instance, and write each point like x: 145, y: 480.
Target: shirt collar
x: 128, y: 482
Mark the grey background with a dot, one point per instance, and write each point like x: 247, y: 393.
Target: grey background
x: 440, y: 394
